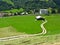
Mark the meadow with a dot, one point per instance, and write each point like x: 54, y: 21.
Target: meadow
x: 27, y: 24
x: 24, y: 24
x: 53, y: 24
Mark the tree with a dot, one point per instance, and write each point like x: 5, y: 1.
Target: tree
x: 50, y: 10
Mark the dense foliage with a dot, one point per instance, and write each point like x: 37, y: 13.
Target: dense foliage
x: 5, y: 6
x: 28, y: 5
x: 57, y: 2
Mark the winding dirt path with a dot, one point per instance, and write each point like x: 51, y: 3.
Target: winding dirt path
x: 26, y: 35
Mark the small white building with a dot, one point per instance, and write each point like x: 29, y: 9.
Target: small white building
x: 43, y: 11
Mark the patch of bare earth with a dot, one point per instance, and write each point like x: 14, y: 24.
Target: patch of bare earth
x: 9, y: 31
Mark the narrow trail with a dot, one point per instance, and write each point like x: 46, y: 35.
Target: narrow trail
x: 26, y: 35
x: 43, y: 28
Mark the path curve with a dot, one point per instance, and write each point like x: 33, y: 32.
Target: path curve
x: 26, y: 35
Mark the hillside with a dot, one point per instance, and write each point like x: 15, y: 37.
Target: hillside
x: 28, y: 4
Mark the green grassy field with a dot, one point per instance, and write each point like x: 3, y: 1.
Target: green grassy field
x: 53, y: 25
x: 22, y: 24
x: 27, y: 24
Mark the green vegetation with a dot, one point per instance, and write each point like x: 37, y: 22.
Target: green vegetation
x: 16, y: 24
x: 15, y: 10
x: 53, y: 24
x: 28, y: 4
x: 22, y: 24
x: 8, y: 1
x: 28, y: 24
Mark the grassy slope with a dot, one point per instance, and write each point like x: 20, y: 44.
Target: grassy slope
x: 22, y: 24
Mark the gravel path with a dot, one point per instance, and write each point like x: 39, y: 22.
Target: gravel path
x: 26, y: 35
